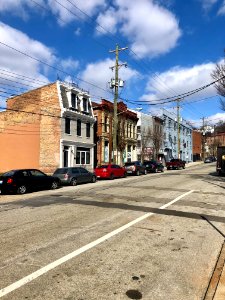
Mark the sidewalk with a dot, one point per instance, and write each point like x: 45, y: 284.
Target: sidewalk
x: 191, y: 164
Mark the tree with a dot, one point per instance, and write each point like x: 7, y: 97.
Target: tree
x: 218, y: 73
x: 146, y: 136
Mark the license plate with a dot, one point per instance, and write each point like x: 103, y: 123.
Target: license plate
x: 129, y: 171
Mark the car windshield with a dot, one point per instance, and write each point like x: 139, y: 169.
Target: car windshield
x: 61, y: 171
x: 129, y: 163
x: 9, y: 173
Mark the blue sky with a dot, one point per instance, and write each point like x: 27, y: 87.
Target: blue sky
x: 173, y: 47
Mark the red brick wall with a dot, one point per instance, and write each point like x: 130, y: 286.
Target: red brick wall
x: 196, y: 142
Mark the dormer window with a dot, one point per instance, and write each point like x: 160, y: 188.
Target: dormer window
x: 73, y: 101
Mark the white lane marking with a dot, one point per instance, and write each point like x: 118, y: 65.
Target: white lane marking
x: 75, y: 253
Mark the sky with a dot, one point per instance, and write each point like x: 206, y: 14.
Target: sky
x: 173, y: 47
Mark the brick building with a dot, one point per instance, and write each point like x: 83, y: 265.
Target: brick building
x: 212, y: 140
x: 197, y: 145
x: 48, y: 127
x: 126, y: 135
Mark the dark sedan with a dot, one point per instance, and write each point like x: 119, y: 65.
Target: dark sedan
x: 153, y: 166
x: 74, y: 175
x: 22, y: 180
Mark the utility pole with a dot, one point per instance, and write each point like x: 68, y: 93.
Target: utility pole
x: 178, y: 127
x: 115, y: 84
x: 203, y: 138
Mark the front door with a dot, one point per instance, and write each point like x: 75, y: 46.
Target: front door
x: 65, y: 156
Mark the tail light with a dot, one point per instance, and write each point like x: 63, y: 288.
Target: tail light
x: 9, y: 180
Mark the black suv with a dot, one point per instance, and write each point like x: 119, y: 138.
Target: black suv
x: 135, y: 167
x: 74, y: 175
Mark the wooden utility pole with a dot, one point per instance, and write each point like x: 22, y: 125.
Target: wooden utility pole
x: 116, y: 89
x: 203, y: 138
x: 178, y: 127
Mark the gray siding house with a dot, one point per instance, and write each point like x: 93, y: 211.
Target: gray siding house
x: 77, y: 127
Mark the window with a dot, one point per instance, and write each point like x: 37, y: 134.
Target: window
x: 37, y: 173
x: 74, y: 100
x: 106, y: 124
x: 83, y: 171
x: 67, y: 125
x: 79, y: 127
x: 138, y: 129
x: 83, y: 156
x: 88, y: 130
x: 85, y: 104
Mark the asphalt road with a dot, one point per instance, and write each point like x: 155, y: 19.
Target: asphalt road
x: 152, y: 237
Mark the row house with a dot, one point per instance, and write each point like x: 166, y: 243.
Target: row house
x: 126, y: 133
x: 46, y: 128
x: 171, y: 137
x: 149, y: 137
x: 197, y: 145
x: 212, y: 140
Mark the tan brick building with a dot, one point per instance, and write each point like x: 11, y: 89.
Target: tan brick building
x: 126, y: 136
x: 46, y: 128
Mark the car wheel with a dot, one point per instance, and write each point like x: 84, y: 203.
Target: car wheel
x: 73, y: 182
x: 155, y: 171
x: 168, y: 168
x: 93, y: 179
x: 183, y: 167
x: 162, y: 170
x: 54, y: 185
x: 145, y: 172
x: 21, y: 189
x: 125, y: 175
x: 112, y: 177
x: 138, y: 173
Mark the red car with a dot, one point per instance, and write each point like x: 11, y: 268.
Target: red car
x: 110, y: 171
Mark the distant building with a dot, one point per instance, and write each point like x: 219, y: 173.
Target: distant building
x: 126, y: 133
x: 46, y: 128
x: 213, y: 140
x: 171, y: 137
x: 149, y: 137
x: 197, y: 145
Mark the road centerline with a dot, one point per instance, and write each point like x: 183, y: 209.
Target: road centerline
x: 60, y: 261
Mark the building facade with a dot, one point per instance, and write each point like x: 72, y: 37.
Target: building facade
x: 149, y: 137
x: 197, y: 145
x: 171, y: 137
x: 126, y: 133
x: 46, y: 128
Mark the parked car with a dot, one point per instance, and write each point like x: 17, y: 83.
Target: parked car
x: 153, y: 166
x: 22, y: 180
x: 208, y: 160
x: 110, y: 171
x: 175, y: 163
x: 135, y: 168
x: 74, y: 175
x: 220, y: 165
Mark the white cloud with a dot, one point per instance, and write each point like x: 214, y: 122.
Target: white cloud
x: 99, y: 74
x: 107, y: 22
x: 222, y: 9
x: 151, y: 29
x: 180, y: 80
x: 77, y: 31
x: 18, y: 63
x: 207, y: 4
x: 18, y: 7
x: 69, y: 64
x: 69, y: 12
